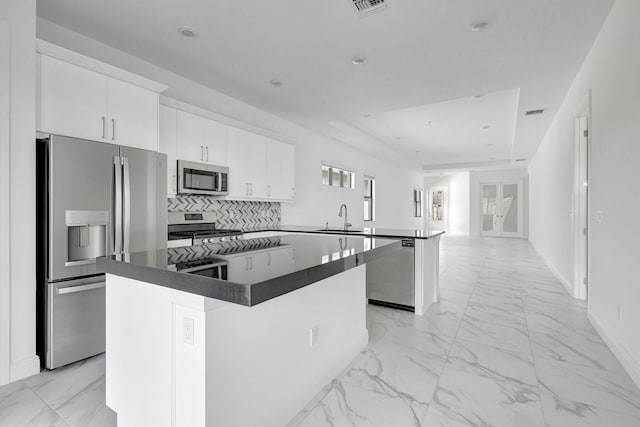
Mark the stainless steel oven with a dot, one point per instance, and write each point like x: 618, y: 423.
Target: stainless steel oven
x: 201, y: 178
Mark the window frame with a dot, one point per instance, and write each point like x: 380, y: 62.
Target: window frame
x: 418, y: 202
x: 346, y: 177
x: 371, y: 198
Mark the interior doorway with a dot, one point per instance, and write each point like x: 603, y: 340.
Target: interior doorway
x: 439, y: 208
x: 501, y: 210
x: 581, y: 201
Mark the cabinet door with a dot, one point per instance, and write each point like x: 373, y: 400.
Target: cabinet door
x: 133, y: 115
x: 238, y: 146
x: 258, y: 167
x: 168, y: 146
x: 274, y: 172
x: 215, y: 142
x: 238, y: 269
x: 288, y: 170
x: 190, y: 136
x: 73, y: 100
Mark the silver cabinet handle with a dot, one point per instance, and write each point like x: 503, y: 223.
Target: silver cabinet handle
x: 268, y: 190
x: 268, y: 259
x: 113, y: 135
x: 207, y: 148
x: 246, y: 263
x: 247, y: 192
x: 104, y: 127
x: 202, y: 153
x: 251, y: 189
x: 126, y: 205
x: 250, y: 263
x: 175, y: 183
x: 81, y: 288
x: 117, y: 205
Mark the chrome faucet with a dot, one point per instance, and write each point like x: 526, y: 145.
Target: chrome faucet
x: 346, y: 222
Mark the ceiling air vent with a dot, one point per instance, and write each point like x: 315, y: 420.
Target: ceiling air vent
x: 534, y: 112
x: 366, y: 7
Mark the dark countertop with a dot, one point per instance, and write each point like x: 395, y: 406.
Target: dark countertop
x: 308, y: 259
x: 390, y: 233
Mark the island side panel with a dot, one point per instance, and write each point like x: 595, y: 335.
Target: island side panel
x: 427, y: 273
x: 261, y: 365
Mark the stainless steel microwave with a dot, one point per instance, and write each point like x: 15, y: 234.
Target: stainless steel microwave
x: 201, y: 178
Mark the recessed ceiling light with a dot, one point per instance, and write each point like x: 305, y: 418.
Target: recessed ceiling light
x: 492, y: 158
x: 521, y: 160
x: 187, y: 31
x: 485, y: 127
x: 479, y: 26
x: 276, y: 82
x: 489, y: 145
x: 359, y: 60
x: 478, y: 96
x: 366, y: 116
x: 398, y: 138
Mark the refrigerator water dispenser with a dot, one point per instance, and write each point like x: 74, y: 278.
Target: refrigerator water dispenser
x: 86, y: 236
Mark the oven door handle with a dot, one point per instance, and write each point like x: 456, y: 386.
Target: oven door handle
x: 202, y: 267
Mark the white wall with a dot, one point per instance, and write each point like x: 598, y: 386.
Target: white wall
x: 457, y: 205
x: 315, y: 204
x: 611, y: 71
x: 505, y: 175
x: 17, y: 190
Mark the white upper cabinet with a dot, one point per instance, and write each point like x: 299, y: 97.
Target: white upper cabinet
x: 201, y: 140
x: 73, y: 100
x: 258, y: 166
x: 238, y: 148
x: 274, y: 169
x: 133, y: 115
x: 80, y: 97
x: 288, y: 171
x: 168, y: 146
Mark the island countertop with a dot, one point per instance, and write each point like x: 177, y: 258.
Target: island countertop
x: 307, y: 259
x: 385, y: 233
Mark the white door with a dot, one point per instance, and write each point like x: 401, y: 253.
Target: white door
x: 581, y: 200
x: 168, y: 146
x: 133, y: 115
x: 438, y: 208
x: 501, y: 209
x: 73, y: 100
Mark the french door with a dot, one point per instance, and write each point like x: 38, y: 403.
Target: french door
x: 501, y: 210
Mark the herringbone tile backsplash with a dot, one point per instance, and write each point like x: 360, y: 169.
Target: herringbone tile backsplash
x: 238, y: 214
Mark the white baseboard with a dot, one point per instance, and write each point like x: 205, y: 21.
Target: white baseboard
x: 24, y: 368
x: 629, y: 363
x: 567, y: 285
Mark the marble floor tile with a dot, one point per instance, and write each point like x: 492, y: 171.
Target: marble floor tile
x: 21, y: 407
x: 576, y: 384
x: 500, y: 314
x: 511, y: 337
x: 479, y: 401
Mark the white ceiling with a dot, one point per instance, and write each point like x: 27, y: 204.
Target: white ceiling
x: 424, y: 65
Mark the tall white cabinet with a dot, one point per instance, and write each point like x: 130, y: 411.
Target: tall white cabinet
x: 76, y: 100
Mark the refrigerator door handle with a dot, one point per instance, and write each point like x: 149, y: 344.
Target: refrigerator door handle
x: 117, y: 204
x: 126, y: 203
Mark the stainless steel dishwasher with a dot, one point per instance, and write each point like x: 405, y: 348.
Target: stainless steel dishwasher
x: 391, y: 279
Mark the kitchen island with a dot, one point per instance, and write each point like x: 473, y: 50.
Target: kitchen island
x: 239, y: 333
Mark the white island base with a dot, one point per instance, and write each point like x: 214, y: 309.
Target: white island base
x: 178, y: 359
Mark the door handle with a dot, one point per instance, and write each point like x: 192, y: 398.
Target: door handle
x: 126, y: 203
x: 117, y: 205
x: 81, y: 288
x: 113, y: 135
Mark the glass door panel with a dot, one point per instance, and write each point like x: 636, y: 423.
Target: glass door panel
x: 509, y: 208
x: 489, y: 209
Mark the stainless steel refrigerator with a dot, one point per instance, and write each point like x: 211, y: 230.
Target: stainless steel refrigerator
x: 94, y: 199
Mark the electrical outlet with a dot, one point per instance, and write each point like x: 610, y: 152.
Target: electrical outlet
x: 313, y: 336
x: 619, y: 312
x: 187, y: 330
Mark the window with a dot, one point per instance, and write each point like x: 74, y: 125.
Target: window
x: 417, y: 202
x: 369, y: 194
x: 437, y: 205
x: 337, y: 177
